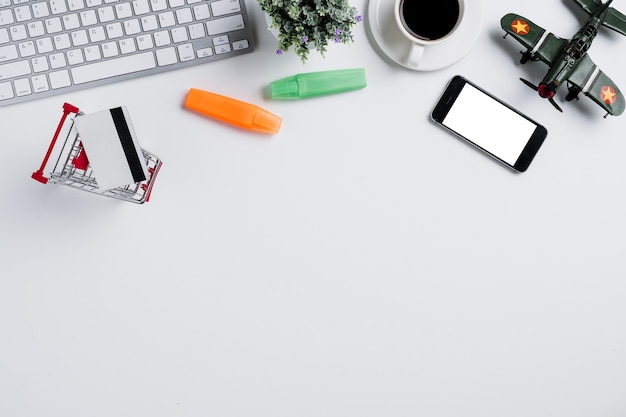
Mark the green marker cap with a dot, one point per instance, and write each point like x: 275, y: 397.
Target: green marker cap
x: 312, y: 84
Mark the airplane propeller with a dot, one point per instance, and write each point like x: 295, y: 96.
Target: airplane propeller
x: 550, y: 99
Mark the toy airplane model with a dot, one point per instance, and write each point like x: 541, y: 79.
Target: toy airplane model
x: 568, y: 59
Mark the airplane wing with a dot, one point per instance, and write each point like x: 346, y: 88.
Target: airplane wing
x: 537, y: 40
x: 614, y: 19
x: 598, y: 86
x: 589, y: 6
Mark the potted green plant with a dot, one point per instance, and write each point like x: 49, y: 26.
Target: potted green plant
x: 310, y: 24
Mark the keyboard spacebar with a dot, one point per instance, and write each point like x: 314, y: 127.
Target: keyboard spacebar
x: 113, y: 67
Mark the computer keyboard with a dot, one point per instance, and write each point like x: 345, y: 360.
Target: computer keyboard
x: 57, y: 46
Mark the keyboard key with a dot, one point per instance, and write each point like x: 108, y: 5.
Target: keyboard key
x: 132, y: 27
x: 6, y: 91
x: 179, y: 35
x: 184, y: 16
x: 158, y: 5
x: 88, y: 18
x: 127, y: 46
x: 44, y: 45
x: 22, y: 13
x: 162, y: 38
x: 40, y: 83
x: 196, y: 31
x: 185, y: 52
x: 204, y: 52
x: 6, y: 17
x: 220, y: 40
x: 35, y: 29
x: 76, y: 4
x: 105, y: 14
x: 167, y: 19
x: 59, y: 79
x: 71, y: 21
x: 22, y: 87
x: 57, y: 60
x: 123, y: 10
x: 40, y: 10
x: 114, y: 30
x: 149, y: 23
x: 242, y: 44
x: 201, y: 11
x: 27, y: 49
x: 8, y: 53
x: 225, y: 24
x: 62, y: 41
x: 222, y: 49
x: 166, y: 56
x: 53, y: 25
x: 14, y: 69
x: 80, y: 37
x: 75, y: 57
x: 145, y: 42
x: 109, y: 49
x: 4, y: 35
x: 18, y: 33
x: 92, y: 53
x: 58, y: 6
x: 141, y: 7
x: 96, y: 34
x: 40, y: 64
x: 113, y: 67
x: 222, y: 7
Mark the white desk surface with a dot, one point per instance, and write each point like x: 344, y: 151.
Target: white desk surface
x: 362, y: 262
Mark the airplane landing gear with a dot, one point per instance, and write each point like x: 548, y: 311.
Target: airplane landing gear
x: 527, y: 56
x: 572, y: 93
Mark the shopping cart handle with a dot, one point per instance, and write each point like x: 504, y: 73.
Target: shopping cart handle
x: 38, y: 175
x: 68, y: 108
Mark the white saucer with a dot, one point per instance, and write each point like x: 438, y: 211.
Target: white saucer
x: 394, y: 45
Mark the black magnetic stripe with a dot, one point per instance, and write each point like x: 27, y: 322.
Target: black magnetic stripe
x: 126, y: 140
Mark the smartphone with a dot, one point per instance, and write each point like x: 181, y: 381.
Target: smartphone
x: 489, y: 124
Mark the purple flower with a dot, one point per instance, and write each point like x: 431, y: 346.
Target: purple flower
x: 337, y: 40
x: 359, y: 18
x: 279, y: 52
x: 305, y: 39
x: 337, y: 32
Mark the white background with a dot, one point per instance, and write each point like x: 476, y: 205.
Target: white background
x: 362, y: 262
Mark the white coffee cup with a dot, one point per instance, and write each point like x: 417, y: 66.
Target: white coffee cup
x: 427, y: 22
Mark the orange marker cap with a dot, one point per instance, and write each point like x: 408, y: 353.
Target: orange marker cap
x: 229, y: 110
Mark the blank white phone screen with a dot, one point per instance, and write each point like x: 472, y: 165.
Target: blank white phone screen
x: 489, y: 124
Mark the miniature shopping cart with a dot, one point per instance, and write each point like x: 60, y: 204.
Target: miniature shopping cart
x: 72, y: 166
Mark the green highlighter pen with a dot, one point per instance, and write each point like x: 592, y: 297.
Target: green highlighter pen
x: 312, y: 84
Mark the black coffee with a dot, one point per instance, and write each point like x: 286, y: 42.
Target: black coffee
x: 429, y: 19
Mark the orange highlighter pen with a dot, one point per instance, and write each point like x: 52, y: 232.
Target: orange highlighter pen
x: 239, y: 113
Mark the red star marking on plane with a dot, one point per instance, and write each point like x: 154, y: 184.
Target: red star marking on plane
x: 520, y: 27
x: 608, y: 94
